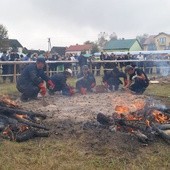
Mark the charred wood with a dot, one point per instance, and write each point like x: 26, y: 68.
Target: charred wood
x: 19, y: 111
x: 30, y: 134
x: 162, y: 133
x: 141, y: 137
x: 32, y: 124
x: 104, y: 120
x: 164, y: 127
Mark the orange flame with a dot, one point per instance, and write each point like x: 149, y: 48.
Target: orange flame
x: 7, y: 101
x: 21, y: 116
x: 121, y: 109
x: 148, y: 123
x: 160, y: 117
x: 23, y: 128
x: 132, y: 117
x: 139, y: 105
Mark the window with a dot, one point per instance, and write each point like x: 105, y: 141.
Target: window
x: 162, y: 40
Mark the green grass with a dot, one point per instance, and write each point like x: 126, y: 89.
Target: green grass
x: 52, y: 154
x: 8, y: 89
x: 162, y: 90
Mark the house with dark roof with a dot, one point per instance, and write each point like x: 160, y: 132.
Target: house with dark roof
x: 122, y: 45
x: 59, y: 50
x: 78, y: 49
x: 15, y: 45
x: 12, y: 44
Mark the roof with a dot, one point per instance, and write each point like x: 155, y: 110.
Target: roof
x: 119, y: 44
x: 14, y: 43
x: 79, y: 47
x: 162, y: 33
x: 60, y: 50
x: 149, y: 40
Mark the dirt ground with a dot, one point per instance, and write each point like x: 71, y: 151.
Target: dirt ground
x: 75, y: 117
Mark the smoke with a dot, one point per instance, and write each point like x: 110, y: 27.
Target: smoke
x: 163, y: 68
x: 156, y: 103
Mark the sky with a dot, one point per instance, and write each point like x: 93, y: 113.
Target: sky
x: 69, y: 22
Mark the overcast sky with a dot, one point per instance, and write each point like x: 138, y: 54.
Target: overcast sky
x: 68, y: 22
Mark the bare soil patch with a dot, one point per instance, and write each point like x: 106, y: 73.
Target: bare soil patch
x: 75, y: 118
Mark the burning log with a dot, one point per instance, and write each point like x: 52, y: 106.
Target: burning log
x: 35, y: 125
x: 7, y: 102
x: 141, y: 137
x: 162, y: 133
x: 19, y: 125
x: 104, y: 120
x: 164, y: 127
x: 165, y: 110
x: 143, y: 123
x: 22, y: 112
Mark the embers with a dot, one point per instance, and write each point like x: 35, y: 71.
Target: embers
x: 146, y: 123
x: 19, y: 125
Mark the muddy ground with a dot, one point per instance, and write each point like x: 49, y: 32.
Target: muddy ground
x: 75, y: 118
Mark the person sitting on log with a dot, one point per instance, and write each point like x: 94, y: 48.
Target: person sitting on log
x: 138, y: 80
x: 111, y: 79
x: 31, y: 80
x: 60, y: 83
x: 85, y: 80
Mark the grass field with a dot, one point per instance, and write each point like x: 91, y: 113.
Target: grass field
x: 52, y: 154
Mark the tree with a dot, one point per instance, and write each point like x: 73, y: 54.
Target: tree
x: 94, y: 46
x: 113, y: 36
x: 142, y: 38
x: 88, y: 42
x: 102, y: 39
x: 3, y: 37
x: 3, y: 32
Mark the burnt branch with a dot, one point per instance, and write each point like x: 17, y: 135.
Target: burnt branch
x: 22, y: 112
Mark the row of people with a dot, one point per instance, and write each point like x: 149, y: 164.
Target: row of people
x: 82, y: 60
x: 31, y: 80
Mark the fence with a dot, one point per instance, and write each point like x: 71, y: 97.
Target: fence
x: 163, y: 66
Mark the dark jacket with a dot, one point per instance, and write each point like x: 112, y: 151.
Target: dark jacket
x: 139, y: 72
x: 113, y: 77
x: 60, y: 81
x: 82, y: 60
x: 31, y: 74
x: 85, y: 81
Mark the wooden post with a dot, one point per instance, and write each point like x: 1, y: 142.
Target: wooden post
x: 91, y: 68
x: 15, y: 73
x: 47, y: 69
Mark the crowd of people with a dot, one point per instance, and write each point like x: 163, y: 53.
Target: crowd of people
x: 146, y: 62
x: 32, y: 76
x: 78, y: 61
x: 33, y: 80
x: 131, y: 76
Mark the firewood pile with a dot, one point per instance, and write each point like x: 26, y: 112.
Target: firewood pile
x: 19, y: 125
x: 146, y: 124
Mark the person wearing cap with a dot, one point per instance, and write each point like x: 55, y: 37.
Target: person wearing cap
x: 138, y: 80
x: 31, y: 80
x: 85, y: 80
x: 112, y: 80
x: 60, y: 83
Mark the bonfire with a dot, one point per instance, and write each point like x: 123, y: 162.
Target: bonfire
x: 146, y: 122
x: 19, y: 125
